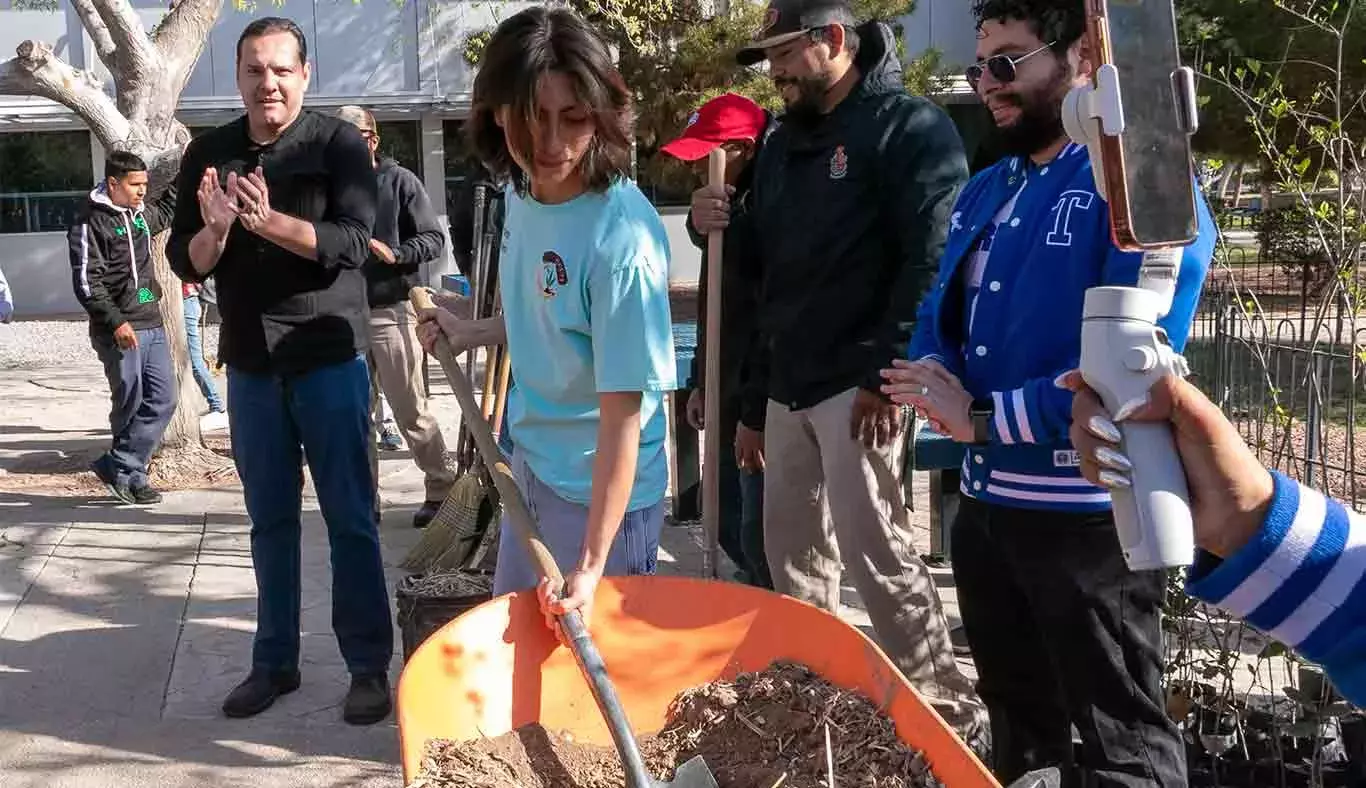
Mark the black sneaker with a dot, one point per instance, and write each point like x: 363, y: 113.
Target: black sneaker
x: 368, y: 700
x: 105, y: 473
x: 426, y: 514
x: 145, y: 494
x: 259, y: 692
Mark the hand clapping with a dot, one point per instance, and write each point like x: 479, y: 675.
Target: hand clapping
x: 216, y: 208
x: 252, y: 199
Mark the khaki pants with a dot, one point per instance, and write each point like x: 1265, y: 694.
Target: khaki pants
x: 396, y: 369
x: 827, y: 499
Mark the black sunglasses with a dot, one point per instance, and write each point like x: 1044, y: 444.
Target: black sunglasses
x: 1002, y: 67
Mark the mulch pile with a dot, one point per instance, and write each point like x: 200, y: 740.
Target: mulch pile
x: 761, y: 730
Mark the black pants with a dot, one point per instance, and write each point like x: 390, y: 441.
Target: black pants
x: 1063, y: 634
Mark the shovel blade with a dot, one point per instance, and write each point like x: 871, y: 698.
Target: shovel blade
x: 693, y: 774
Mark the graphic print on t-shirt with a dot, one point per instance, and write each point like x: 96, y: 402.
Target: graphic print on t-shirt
x: 977, y: 261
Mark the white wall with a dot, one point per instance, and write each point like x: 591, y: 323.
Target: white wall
x: 945, y: 25
x: 685, y: 259
x: 39, y: 274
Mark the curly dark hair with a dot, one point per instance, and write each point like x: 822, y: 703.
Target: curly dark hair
x: 1062, y: 22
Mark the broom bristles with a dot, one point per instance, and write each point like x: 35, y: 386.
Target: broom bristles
x: 457, y: 518
x: 464, y: 555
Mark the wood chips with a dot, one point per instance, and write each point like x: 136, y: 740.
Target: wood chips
x: 762, y: 730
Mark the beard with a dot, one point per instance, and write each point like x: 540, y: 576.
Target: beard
x: 1040, y: 122
x: 806, y: 108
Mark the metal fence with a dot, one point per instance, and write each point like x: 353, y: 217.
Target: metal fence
x: 1285, y: 358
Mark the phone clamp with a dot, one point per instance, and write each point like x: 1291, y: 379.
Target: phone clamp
x: 1090, y: 111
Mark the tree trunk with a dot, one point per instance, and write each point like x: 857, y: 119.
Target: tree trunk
x: 1225, y: 179
x: 184, y: 428
x: 150, y: 70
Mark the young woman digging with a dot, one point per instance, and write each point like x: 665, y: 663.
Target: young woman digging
x: 584, y: 279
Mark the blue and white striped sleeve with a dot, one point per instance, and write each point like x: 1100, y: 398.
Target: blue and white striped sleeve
x: 1301, y: 580
x: 1040, y: 411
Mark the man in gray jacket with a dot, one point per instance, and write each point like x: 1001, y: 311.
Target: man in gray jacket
x: 406, y: 235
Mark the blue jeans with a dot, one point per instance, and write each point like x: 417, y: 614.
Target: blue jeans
x: 563, y: 525
x: 194, y: 314
x: 740, y: 521
x: 142, y: 396
x: 276, y: 423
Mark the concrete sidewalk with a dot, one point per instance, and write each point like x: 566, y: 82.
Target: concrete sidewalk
x: 122, y: 629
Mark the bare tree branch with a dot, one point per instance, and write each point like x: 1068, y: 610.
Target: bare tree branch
x: 36, y: 71
x: 133, y: 51
x: 94, y: 25
x: 182, y: 34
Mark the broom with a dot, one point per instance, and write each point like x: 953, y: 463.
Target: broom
x: 458, y: 521
x: 459, y: 556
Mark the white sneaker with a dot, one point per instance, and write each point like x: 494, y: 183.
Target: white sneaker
x: 215, y: 421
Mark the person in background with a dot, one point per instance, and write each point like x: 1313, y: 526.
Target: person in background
x: 585, y: 269
x: 114, y: 278
x: 406, y: 235
x: 848, y: 210
x: 6, y: 300
x: 217, y: 417
x: 286, y: 203
x: 1062, y: 633
x: 389, y: 439
x: 1272, y: 551
x: 738, y: 126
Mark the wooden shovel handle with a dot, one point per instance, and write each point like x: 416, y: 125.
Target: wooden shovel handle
x: 514, y: 505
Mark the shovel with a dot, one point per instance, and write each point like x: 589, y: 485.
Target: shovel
x: 694, y: 773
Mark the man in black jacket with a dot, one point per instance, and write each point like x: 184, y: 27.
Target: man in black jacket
x: 849, y: 212
x: 406, y: 235
x: 738, y: 126
x: 113, y: 276
x: 286, y: 203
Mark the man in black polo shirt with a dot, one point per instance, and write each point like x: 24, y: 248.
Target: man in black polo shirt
x: 286, y: 203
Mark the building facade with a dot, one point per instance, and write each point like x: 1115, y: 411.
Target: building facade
x: 403, y: 59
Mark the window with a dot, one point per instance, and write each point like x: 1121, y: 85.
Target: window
x: 44, y: 179
x: 459, y: 160
x: 401, y: 140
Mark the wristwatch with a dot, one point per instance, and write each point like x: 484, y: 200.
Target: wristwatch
x: 981, y: 411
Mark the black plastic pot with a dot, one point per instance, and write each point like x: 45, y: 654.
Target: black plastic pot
x: 420, y: 615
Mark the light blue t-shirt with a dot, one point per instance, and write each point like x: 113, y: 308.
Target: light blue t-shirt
x: 585, y: 289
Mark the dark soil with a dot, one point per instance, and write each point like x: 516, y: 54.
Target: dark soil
x: 761, y: 730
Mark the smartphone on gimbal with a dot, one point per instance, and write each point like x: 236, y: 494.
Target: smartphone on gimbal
x: 1149, y: 173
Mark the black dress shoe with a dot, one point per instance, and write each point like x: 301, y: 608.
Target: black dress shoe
x: 426, y: 514
x: 259, y: 692
x: 368, y: 700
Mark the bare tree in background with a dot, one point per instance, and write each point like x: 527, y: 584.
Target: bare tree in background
x: 149, y: 71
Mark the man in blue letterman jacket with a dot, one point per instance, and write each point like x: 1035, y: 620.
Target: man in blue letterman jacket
x: 1062, y: 633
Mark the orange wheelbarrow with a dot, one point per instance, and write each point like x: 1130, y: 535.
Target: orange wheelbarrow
x: 498, y: 667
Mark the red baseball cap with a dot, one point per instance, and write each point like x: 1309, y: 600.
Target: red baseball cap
x: 726, y: 118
